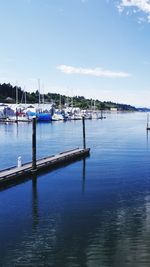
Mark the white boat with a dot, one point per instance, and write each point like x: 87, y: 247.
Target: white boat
x: 57, y: 117
x: 94, y: 115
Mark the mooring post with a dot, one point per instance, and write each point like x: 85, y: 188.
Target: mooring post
x: 83, y: 123
x: 147, y: 121
x: 34, y: 144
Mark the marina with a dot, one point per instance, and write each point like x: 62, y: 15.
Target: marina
x: 45, y: 113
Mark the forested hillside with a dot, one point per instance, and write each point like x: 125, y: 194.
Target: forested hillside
x: 9, y: 93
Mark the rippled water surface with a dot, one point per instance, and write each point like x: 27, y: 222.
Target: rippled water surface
x: 94, y: 212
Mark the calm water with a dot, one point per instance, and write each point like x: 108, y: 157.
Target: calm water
x: 94, y: 212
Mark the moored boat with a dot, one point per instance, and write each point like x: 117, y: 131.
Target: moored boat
x: 44, y: 117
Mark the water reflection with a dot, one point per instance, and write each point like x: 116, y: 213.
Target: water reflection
x: 35, y: 212
x: 121, y: 236
x: 108, y: 227
x: 83, y: 175
x: 17, y: 130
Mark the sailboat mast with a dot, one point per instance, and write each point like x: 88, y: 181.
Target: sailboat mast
x: 25, y: 98
x: 91, y: 105
x: 60, y: 102
x: 43, y: 100
x: 94, y: 105
x: 39, y: 91
x: 67, y: 102
x: 16, y: 94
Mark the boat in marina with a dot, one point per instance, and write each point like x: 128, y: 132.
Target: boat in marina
x: 46, y: 113
x: 57, y: 117
x: 76, y: 117
x: 44, y: 117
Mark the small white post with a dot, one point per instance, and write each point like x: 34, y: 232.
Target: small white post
x: 19, y: 162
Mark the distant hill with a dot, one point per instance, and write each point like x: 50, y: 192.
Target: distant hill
x: 8, y: 95
x: 144, y: 109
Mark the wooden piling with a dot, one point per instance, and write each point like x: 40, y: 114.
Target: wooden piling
x: 34, y: 144
x: 84, y: 140
x: 147, y: 126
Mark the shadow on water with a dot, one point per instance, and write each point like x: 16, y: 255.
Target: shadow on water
x: 35, y: 212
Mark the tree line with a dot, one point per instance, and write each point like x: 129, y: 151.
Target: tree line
x: 9, y: 93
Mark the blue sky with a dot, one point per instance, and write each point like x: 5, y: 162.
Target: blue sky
x: 96, y: 48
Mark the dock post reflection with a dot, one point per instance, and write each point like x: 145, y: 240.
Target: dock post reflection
x: 83, y: 175
x: 17, y: 130
x: 147, y: 137
x: 147, y: 127
x: 35, y: 213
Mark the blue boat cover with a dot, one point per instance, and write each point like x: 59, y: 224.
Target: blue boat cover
x: 44, y: 117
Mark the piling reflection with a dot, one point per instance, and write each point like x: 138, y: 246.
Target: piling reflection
x: 147, y: 137
x: 35, y: 213
x: 17, y: 130
x: 84, y: 176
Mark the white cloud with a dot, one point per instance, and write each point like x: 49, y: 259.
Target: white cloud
x: 141, y: 20
x: 98, y: 72
x: 138, y: 5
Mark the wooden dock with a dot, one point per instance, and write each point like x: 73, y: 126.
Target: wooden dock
x: 26, y: 170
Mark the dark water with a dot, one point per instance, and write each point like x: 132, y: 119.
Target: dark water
x: 94, y: 212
